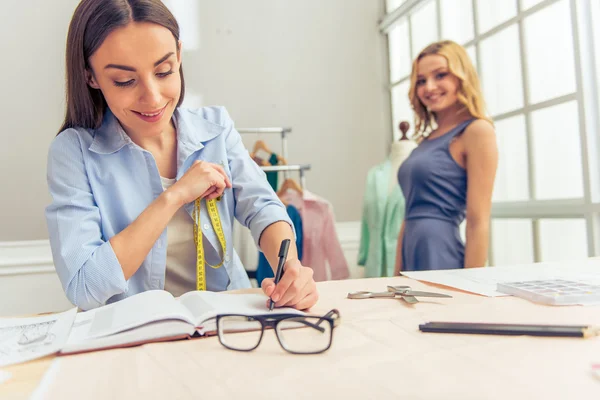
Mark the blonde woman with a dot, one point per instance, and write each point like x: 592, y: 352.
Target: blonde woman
x: 450, y: 175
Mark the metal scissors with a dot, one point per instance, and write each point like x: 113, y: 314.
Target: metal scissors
x: 403, y: 292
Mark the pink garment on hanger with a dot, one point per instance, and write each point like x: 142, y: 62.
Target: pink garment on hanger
x: 320, y: 240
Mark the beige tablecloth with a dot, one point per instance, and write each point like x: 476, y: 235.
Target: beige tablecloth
x: 378, y: 353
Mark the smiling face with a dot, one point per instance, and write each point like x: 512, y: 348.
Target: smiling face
x: 137, y: 70
x: 436, y: 86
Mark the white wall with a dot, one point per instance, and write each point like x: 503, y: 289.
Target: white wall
x: 26, y: 268
x: 314, y: 65
x: 317, y: 66
x: 31, y: 109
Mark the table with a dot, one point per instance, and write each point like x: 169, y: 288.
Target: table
x: 378, y: 352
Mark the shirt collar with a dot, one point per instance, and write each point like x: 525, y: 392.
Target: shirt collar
x: 192, y: 130
x: 110, y: 137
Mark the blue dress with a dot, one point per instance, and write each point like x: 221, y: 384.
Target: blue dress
x: 435, y: 189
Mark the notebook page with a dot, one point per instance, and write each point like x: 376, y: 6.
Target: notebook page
x: 140, y: 309
x: 204, y: 305
x: 152, y: 332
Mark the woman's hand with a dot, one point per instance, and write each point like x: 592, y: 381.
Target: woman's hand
x: 201, y: 180
x: 296, y: 288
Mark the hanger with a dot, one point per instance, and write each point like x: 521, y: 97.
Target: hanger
x: 260, y: 145
x: 263, y: 160
x: 289, y: 183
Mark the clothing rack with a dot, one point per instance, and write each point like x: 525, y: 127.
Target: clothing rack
x: 284, y: 152
x: 281, y: 131
x: 285, y: 168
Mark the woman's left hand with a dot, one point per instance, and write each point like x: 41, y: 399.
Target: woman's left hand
x: 296, y: 288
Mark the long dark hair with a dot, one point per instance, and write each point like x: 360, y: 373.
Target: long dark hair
x: 92, y: 22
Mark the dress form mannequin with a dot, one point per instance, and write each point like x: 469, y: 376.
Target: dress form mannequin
x: 399, y: 152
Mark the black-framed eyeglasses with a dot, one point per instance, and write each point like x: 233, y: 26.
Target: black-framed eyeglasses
x: 297, y: 334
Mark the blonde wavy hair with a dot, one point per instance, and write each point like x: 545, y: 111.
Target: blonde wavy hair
x: 469, y: 90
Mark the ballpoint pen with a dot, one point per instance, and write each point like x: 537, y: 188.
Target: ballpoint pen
x: 283, y: 252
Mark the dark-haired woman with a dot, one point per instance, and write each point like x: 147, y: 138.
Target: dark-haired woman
x: 129, y: 163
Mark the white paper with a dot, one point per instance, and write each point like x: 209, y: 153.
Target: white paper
x: 4, y: 376
x: 484, y: 280
x: 24, y: 339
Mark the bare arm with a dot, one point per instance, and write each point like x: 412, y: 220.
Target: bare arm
x: 271, y: 239
x: 398, y: 265
x: 481, y: 164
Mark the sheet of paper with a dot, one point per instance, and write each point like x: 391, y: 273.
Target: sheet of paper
x: 25, y: 339
x: 4, y: 376
x: 484, y: 280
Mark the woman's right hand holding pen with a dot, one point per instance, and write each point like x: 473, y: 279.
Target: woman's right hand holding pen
x: 203, y: 180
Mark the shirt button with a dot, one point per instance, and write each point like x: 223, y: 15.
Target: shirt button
x: 206, y: 226
x: 159, y: 244
x: 227, y: 257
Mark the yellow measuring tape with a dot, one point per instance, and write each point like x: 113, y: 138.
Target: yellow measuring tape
x: 213, y: 213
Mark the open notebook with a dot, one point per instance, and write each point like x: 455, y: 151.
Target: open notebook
x: 156, y: 315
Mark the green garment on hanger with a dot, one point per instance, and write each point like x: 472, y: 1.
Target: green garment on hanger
x: 273, y: 176
x: 383, y: 213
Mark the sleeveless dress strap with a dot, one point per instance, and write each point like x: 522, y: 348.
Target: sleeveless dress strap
x: 460, y: 128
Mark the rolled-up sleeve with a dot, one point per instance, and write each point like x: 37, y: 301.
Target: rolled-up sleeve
x: 86, y: 264
x: 256, y: 203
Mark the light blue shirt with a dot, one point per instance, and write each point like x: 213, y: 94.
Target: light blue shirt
x: 100, y: 182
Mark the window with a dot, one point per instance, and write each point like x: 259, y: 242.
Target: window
x: 525, y: 4
x: 595, y: 14
x: 557, y: 152
x: 472, y: 51
x: 401, y: 110
x: 512, y: 177
x: 547, y: 34
x: 493, y: 13
x: 423, y: 27
x: 501, y: 71
x: 512, y: 241
x: 555, y: 245
x: 457, y: 21
x: 399, y: 48
x: 391, y: 5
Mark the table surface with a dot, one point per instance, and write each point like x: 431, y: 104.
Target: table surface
x: 377, y: 352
